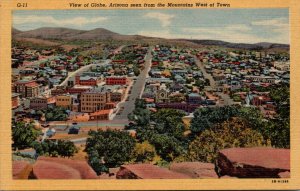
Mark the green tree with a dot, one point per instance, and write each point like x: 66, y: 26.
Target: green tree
x: 55, y: 148
x: 66, y: 148
x: 23, y: 135
x: 113, y: 146
x: 169, y: 121
x: 205, y: 118
x: 234, y: 132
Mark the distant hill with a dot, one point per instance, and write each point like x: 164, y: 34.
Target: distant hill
x: 256, y: 46
x: 49, y: 33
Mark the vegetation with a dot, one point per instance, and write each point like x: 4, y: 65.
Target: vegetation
x: 107, y: 149
x: 144, y: 152
x: 54, y: 114
x: 164, y: 130
x: 23, y: 135
x: 52, y: 148
x: 235, y: 132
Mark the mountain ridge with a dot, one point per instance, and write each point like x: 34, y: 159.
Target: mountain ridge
x: 61, y: 33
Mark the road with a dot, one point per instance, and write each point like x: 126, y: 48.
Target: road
x: 205, y: 74
x: 82, y: 69
x: 225, y: 97
x: 136, y: 90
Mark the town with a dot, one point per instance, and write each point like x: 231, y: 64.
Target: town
x: 149, y: 103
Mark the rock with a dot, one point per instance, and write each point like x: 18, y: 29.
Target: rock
x: 285, y: 174
x: 257, y: 162
x: 195, y: 169
x: 227, y: 177
x: 21, y: 169
x: 61, y: 168
x: 147, y: 171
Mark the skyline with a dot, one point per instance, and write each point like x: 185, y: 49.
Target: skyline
x: 231, y: 25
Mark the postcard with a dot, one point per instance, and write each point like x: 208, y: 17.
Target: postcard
x: 149, y: 95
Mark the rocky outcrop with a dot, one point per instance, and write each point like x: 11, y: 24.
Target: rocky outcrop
x: 147, y: 171
x: 195, y: 169
x: 61, y: 168
x: 21, y: 169
x: 258, y: 162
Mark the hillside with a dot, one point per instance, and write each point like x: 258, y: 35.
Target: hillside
x: 49, y: 33
x: 256, y: 46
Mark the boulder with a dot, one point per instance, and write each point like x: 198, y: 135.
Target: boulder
x: 256, y: 162
x: 147, y: 171
x: 21, y: 169
x: 61, y: 168
x: 195, y: 169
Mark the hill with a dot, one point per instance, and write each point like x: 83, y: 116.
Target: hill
x: 49, y: 33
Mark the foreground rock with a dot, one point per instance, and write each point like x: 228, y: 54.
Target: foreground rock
x: 60, y: 168
x: 147, y: 171
x: 257, y: 162
x: 21, y: 169
x: 195, y: 169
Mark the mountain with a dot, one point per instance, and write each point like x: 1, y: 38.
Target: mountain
x: 49, y: 33
x: 15, y: 31
x: 256, y: 46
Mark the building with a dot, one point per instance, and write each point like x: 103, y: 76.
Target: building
x: 64, y: 101
x: 116, y: 80
x: 194, y: 98
x: 77, y: 89
x: 162, y: 95
x: 41, y: 102
x: 117, y: 95
x: 94, y: 100
x: 86, y: 80
x: 27, y: 88
x: 101, y: 114
x: 15, y: 100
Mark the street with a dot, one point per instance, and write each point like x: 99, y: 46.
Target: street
x: 137, y: 89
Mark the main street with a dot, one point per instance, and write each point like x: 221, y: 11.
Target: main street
x: 136, y: 90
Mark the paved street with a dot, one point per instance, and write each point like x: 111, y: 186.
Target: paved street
x: 137, y: 89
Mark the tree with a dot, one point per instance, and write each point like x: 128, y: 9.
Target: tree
x: 143, y: 152
x: 234, y: 132
x: 52, y: 148
x: 167, y: 147
x: 169, y: 121
x: 66, y: 148
x: 24, y: 135
x: 113, y: 146
x: 205, y: 118
x: 54, y: 114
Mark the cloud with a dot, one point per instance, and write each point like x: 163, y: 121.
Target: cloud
x: 164, y: 19
x: 277, y: 22
x: 78, y: 21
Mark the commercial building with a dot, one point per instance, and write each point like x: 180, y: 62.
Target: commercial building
x: 94, y: 100
x: 116, y: 80
x: 27, y: 88
x: 64, y: 101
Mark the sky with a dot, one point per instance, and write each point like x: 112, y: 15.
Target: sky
x: 231, y: 25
